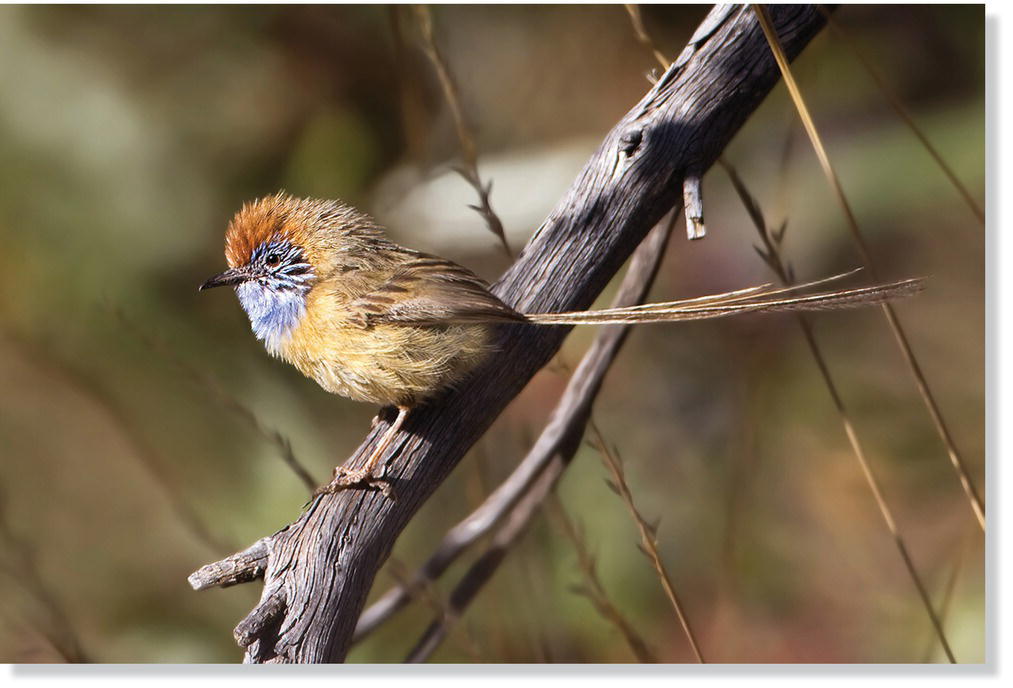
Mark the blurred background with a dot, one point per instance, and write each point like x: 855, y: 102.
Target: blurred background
x: 143, y: 428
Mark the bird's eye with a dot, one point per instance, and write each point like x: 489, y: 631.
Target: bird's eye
x: 273, y: 259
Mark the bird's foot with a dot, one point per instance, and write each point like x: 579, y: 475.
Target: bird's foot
x: 348, y: 479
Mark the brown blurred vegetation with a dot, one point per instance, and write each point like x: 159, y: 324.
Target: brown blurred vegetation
x: 128, y: 136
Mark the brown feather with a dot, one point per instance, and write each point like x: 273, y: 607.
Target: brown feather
x: 735, y: 303
x: 427, y: 290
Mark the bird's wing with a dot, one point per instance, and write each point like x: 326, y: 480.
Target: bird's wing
x: 428, y: 290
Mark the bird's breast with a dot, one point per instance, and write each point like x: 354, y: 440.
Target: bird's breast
x: 384, y: 364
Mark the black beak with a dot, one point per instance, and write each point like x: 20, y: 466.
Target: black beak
x: 231, y: 276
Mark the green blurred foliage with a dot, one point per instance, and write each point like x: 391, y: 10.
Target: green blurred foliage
x: 128, y: 137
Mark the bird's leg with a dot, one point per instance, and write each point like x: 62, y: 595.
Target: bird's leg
x: 345, y: 478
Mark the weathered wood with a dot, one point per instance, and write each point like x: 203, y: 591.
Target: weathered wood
x: 241, y: 567
x: 320, y: 569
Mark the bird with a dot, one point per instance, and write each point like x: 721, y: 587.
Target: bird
x: 326, y: 291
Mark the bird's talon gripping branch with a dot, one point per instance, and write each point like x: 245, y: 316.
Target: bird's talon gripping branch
x: 347, y: 479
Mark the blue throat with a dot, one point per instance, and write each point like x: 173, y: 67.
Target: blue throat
x: 274, y: 313
x: 275, y: 300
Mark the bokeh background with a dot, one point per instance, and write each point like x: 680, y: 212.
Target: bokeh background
x: 139, y: 422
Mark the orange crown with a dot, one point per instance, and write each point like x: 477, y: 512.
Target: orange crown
x: 316, y: 226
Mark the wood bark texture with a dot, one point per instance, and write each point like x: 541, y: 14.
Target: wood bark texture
x: 318, y: 570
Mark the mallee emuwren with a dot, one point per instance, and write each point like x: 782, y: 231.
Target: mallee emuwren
x: 373, y: 321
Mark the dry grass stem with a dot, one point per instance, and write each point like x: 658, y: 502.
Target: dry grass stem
x: 648, y: 539
x: 902, y: 112
x: 947, y: 599
x: 208, y: 383
x: 771, y: 255
x: 592, y: 588
x: 148, y: 455
x: 641, y: 33
x: 17, y: 560
x: 411, y: 107
x: 469, y: 152
x: 974, y: 500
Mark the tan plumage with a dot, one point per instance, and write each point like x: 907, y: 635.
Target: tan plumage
x: 377, y: 322
x: 383, y: 323
x: 349, y: 348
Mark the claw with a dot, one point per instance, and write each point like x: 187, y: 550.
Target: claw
x: 345, y: 479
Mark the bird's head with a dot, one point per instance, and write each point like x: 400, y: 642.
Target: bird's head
x: 278, y: 248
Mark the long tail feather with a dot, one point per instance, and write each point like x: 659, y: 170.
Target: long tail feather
x: 764, y: 290
x: 762, y: 299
